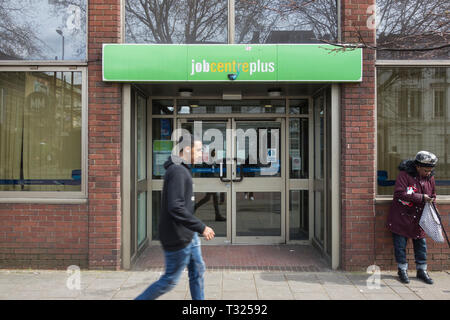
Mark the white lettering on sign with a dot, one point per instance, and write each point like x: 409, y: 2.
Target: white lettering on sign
x: 232, y: 67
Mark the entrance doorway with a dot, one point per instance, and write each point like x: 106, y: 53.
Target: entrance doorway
x: 265, y: 175
x: 254, y: 150
x: 239, y: 186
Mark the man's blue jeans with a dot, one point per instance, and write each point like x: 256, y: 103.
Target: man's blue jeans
x: 420, y: 252
x: 176, y: 261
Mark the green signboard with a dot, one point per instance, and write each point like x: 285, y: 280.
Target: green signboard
x: 243, y: 62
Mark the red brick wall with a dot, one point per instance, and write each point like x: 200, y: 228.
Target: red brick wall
x: 358, y: 146
x: 105, y: 106
x: 437, y: 254
x: 43, y: 236
x: 365, y: 240
x: 56, y: 236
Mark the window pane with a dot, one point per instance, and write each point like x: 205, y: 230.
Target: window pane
x: 182, y: 21
x: 162, y: 107
x: 258, y: 214
x: 156, y: 211
x: 319, y: 216
x: 298, y: 148
x: 162, y: 145
x: 43, y: 30
x: 211, y: 208
x: 258, y: 149
x: 298, y: 106
x: 224, y: 106
x: 141, y: 137
x: 40, y: 131
x: 214, y: 149
x: 413, y: 115
x: 142, y: 217
x: 285, y: 21
x: 298, y: 215
x: 412, y: 24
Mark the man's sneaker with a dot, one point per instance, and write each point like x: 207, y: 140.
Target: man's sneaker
x: 423, y: 275
x: 403, y: 276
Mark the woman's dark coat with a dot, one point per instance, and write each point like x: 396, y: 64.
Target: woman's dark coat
x: 408, y: 202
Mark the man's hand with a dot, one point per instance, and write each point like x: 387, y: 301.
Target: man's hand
x: 208, y: 233
x: 427, y: 198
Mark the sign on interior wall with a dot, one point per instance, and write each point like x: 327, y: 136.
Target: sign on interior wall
x: 246, y: 62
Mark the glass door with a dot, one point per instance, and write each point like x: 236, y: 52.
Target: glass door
x: 139, y: 178
x: 258, y: 204
x: 211, y: 178
x: 322, y: 170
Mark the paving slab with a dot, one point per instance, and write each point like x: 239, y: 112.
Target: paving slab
x: 221, y: 285
x: 238, y: 285
x: 272, y: 293
x: 239, y: 295
x: 311, y: 296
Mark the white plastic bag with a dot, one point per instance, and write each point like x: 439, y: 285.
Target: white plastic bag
x: 431, y: 224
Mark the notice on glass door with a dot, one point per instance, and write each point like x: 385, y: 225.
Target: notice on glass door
x: 162, y: 150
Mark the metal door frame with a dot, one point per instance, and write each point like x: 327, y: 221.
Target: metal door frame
x: 260, y: 184
x: 288, y: 184
x: 214, y: 184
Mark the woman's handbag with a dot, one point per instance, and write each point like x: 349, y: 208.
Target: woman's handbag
x: 431, y: 223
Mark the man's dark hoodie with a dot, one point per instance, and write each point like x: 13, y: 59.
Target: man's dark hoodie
x: 177, y: 221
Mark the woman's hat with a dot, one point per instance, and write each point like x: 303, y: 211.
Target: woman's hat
x: 425, y: 159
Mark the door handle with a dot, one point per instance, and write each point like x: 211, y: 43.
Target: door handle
x: 241, y: 173
x: 224, y: 180
x: 221, y: 174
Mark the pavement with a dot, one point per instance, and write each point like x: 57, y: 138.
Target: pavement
x: 222, y: 284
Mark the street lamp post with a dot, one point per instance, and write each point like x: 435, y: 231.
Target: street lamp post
x: 61, y: 34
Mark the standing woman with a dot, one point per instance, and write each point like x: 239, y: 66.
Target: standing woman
x: 414, y: 187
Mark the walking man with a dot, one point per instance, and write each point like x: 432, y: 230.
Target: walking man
x: 178, y: 227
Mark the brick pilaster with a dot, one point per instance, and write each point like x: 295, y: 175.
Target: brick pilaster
x: 358, y: 172
x: 104, y: 140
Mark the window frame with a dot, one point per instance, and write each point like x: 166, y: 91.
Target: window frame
x: 381, y: 199
x: 58, y: 197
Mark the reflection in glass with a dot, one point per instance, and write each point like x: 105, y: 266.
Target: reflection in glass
x: 214, y: 149
x: 162, y: 107
x: 319, y: 166
x: 319, y: 215
x: 43, y: 30
x: 412, y: 24
x: 40, y: 131
x: 258, y: 148
x: 285, y: 21
x: 412, y: 115
x: 184, y: 21
x: 162, y: 145
x: 260, y: 216
x: 141, y: 137
x: 211, y: 208
x: 156, y: 211
x: 141, y: 217
x: 238, y: 106
x: 319, y: 137
x: 298, y: 215
x: 298, y: 106
x: 298, y: 148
